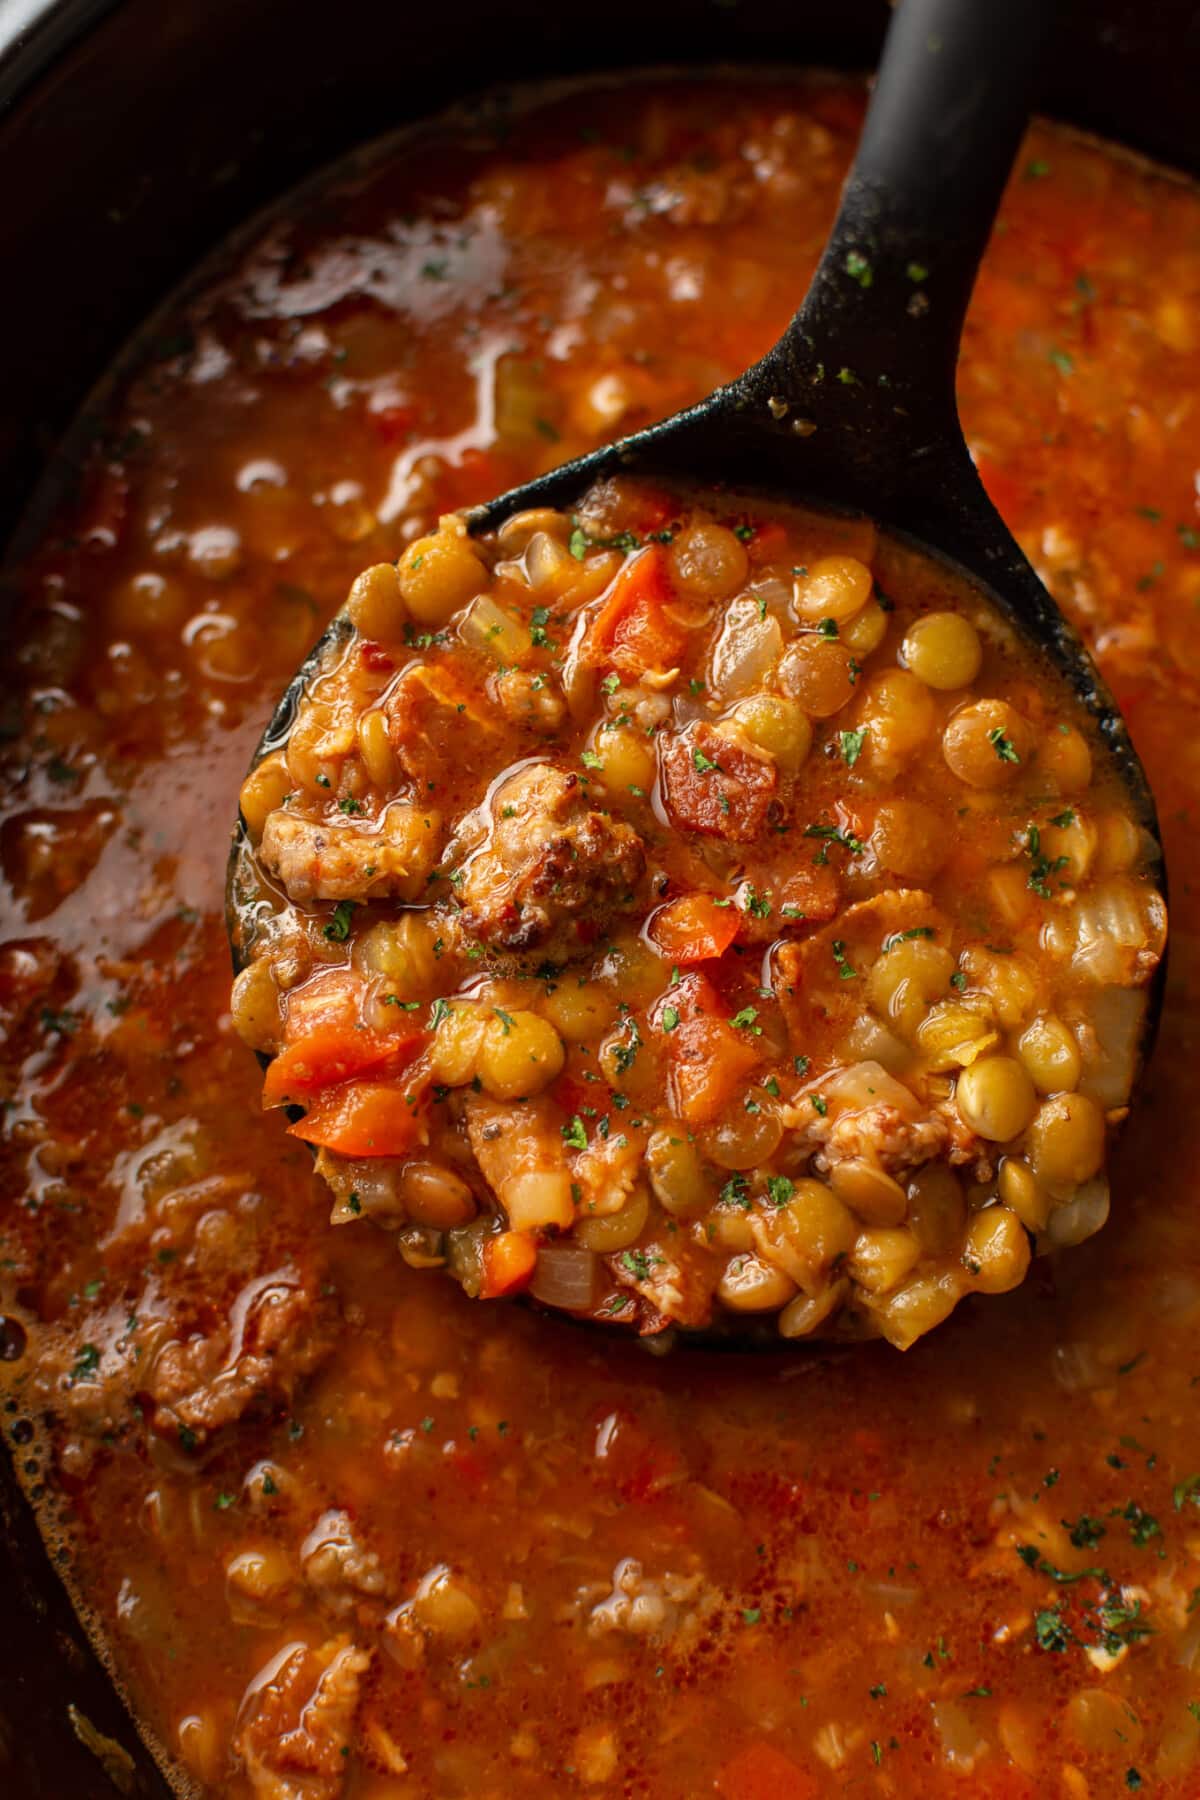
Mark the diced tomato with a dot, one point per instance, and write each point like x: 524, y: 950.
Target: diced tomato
x: 717, y: 787
x: 366, y: 1118
x: 694, y: 928
x: 326, y: 1042
x: 373, y: 656
x: 331, y: 1054
x: 632, y: 630
x: 331, y: 997
x: 708, y: 1059
x: 509, y: 1260
x: 813, y: 891
x: 764, y: 1773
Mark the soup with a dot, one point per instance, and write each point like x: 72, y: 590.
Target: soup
x: 342, y: 1530
x: 588, y: 1009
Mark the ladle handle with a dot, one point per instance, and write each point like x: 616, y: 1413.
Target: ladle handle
x: 950, y: 103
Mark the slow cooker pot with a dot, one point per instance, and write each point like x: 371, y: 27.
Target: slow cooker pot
x: 132, y: 136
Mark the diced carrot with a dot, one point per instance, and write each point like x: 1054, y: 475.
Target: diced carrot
x: 331, y: 1054
x: 693, y: 928
x: 708, y: 1059
x: 366, y: 1118
x: 764, y: 1773
x: 509, y: 1260
x: 632, y: 630
x: 708, y: 1065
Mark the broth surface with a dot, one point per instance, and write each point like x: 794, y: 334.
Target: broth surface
x: 407, y: 1546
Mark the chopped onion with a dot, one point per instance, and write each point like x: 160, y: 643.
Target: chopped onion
x: 962, y: 1744
x: 489, y: 628
x: 1114, y: 934
x: 1081, y: 1216
x: 1117, y: 1014
x: 565, y: 1276
x: 746, y: 651
x: 869, y: 1040
x: 866, y: 1084
x: 547, y: 563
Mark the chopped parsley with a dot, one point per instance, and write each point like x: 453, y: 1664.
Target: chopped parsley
x: 539, y: 619
x: 1185, y: 1490
x: 638, y: 1264
x: 734, y: 1192
x: 858, y: 267
x: 623, y: 1054
x: 1002, y: 745
x: 338, y: 928
x: 1041, y: 867
x: 852, y: 745
x: 845, y: 968
x: 574, y: 1134
x: 1052, y: 1633
x: 832, y: 835
x: 87, y: 1361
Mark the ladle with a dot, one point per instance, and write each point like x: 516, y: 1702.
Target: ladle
x: 854, y: 408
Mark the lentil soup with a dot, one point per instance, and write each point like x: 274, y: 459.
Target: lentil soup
x: 685, y: 904
x: 342, y: 1531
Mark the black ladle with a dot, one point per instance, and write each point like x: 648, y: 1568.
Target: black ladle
x: 854, y: 408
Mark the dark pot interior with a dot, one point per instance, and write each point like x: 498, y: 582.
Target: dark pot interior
x: 132, y: 136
